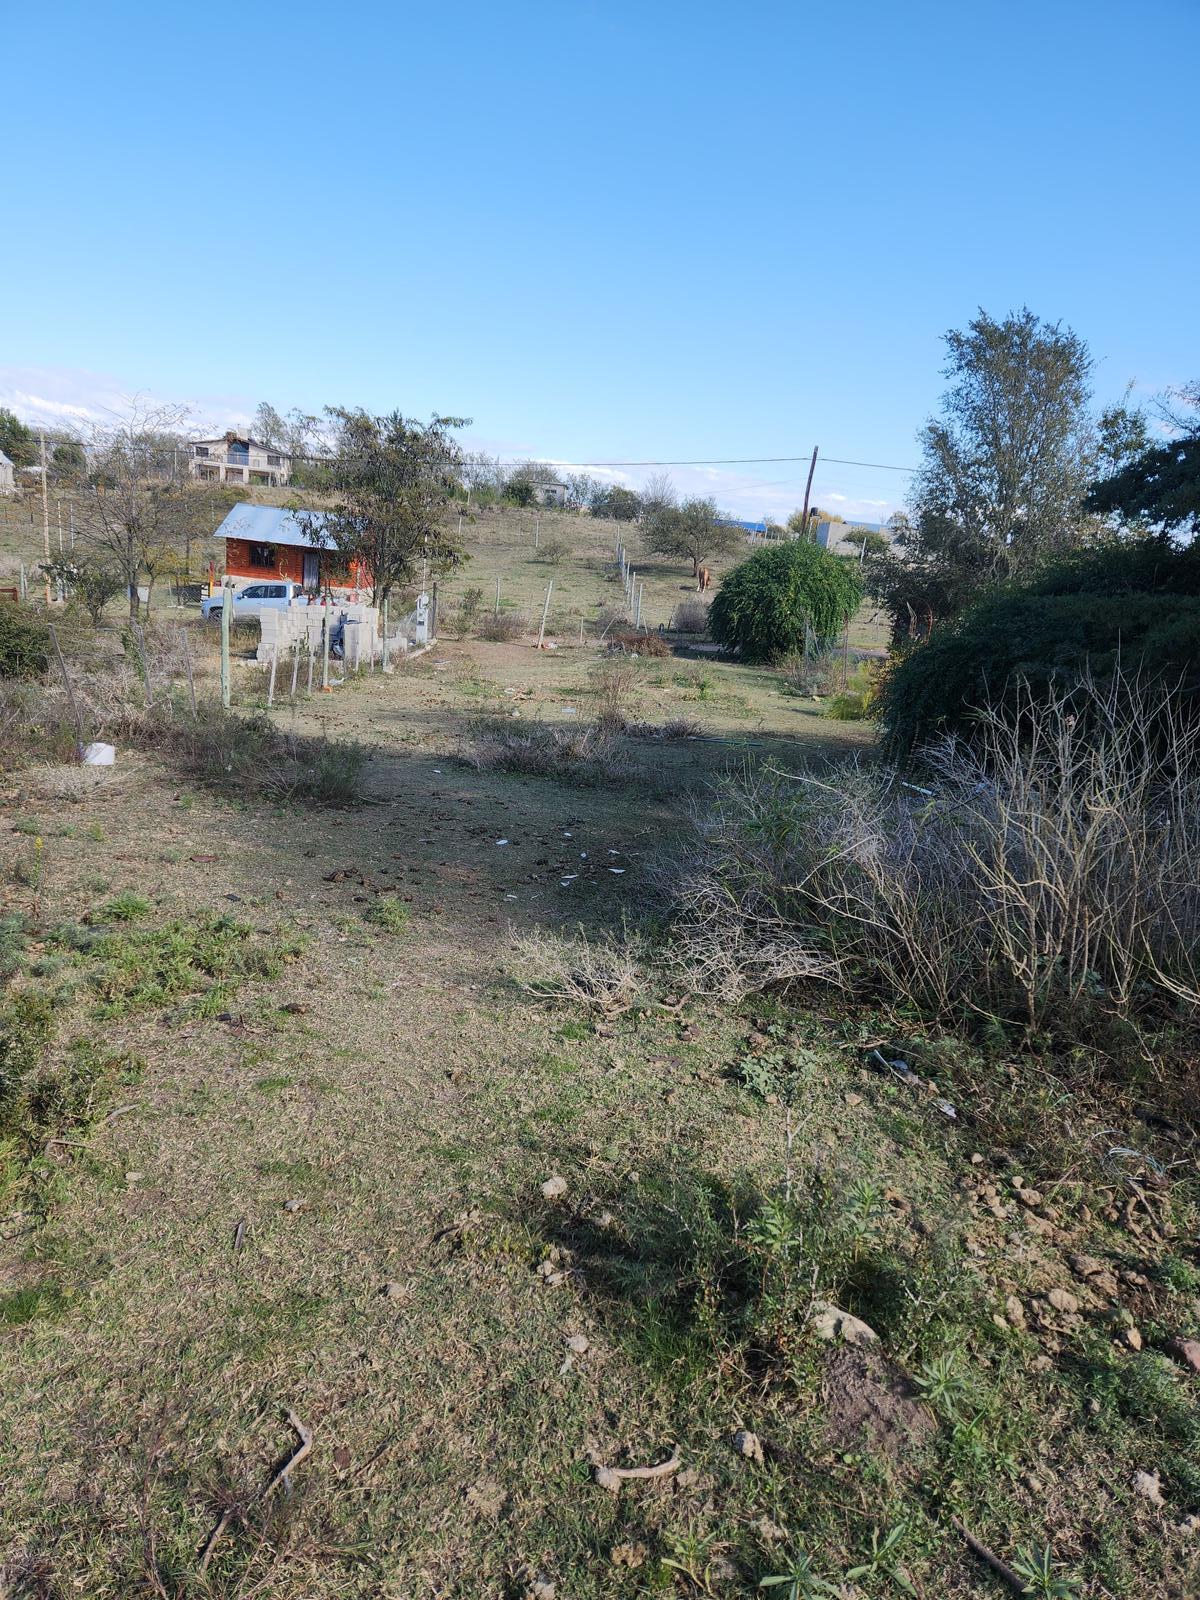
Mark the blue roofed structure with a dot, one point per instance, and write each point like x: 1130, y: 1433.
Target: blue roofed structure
x: 274, y: 525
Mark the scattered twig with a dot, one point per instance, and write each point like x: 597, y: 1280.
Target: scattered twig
x: 1000, y: 1568
x: 118, y: 1111
x: 611, y: 1477
x: 227, y: 1516
x: 239, y: 1234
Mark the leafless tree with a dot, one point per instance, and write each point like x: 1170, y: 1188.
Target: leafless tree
x: 134, y: 503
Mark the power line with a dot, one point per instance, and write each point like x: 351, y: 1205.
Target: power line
x: 712, y: 461
x: 715, y: 461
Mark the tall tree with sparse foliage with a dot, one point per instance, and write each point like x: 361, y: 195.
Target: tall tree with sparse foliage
x: 393, y: 479
x: 1006, y: 466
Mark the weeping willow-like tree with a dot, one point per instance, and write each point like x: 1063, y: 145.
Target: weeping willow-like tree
x: 768, y: 603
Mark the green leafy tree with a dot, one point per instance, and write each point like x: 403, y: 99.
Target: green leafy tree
x: 766, y: 607
x: 268, y: 426
x: 867, y: 542
x: 17, y: 441
x: 1158, y: 486
x: 68, y: 461
x: 393, y: 478
x: 617, y: 503
x: 693, y: 531
x: 1005, y: 470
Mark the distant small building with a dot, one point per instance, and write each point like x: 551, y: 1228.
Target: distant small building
x: 551, y: 494
x: 237, y: 458
x: 837, y: 537
x: 271, y: 542
x: 8, y: 481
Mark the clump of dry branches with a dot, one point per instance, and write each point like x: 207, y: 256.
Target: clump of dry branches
x: 602, y: 975
x: 1047, y: 874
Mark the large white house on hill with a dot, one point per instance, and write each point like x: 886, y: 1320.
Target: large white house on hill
x: 237, y: 458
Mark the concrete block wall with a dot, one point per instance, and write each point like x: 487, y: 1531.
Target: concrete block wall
x: 283, y: 631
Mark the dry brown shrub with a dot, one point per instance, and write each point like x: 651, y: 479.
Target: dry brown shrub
x: 1047, y: 875
x: 603, y: 975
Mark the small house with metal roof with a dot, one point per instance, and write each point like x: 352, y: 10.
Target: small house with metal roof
x: 270, y: 541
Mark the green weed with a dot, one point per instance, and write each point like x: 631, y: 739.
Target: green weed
x: 387, y: 912
x: 141, y: 968
x: 125, y: 907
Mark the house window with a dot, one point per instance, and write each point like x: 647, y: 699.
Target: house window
x: 262, y: 555
x: 234, y: 475
x: 200, y: 449
x: 209, y: 472
x: 273, y: 461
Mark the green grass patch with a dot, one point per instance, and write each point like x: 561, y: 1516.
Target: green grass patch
x: 40, y: 1302
x: 125, y: 907
x: 141, y: 968
x: 388, y: 913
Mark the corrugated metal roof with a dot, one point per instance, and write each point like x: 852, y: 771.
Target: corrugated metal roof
x: 272, y: 525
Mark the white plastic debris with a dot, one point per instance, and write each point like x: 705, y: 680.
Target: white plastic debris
x: 569, y: 711
x: 99, y: 755
x: 616, y: 869
x: 946, y: 1109
x: 499, y: 842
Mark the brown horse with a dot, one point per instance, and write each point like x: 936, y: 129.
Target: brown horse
x: 703, y: 579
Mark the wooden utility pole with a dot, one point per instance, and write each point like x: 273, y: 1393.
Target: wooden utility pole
x: 45, y: 516
x: 812, y: 467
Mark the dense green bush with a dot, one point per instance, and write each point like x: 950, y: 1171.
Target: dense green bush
x: 1137, y: 606
x: 764, y: 605
x: 24, y: 643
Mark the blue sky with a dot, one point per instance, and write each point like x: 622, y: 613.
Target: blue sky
x: 603, y: 231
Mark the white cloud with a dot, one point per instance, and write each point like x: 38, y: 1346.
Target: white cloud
x: 55, y: 397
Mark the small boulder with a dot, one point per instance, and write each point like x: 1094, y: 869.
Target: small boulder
x: 1063, y: 1300
x: 831, y: 1322
x: 1147, y: 1485
x: 748, y: 1444
x: 1185, y: 1350
x: 554, y: 1188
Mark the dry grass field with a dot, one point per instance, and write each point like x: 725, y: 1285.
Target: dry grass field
x: 349, y: 1179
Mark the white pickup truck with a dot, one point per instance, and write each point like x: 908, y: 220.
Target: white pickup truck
x: 253, y: 598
